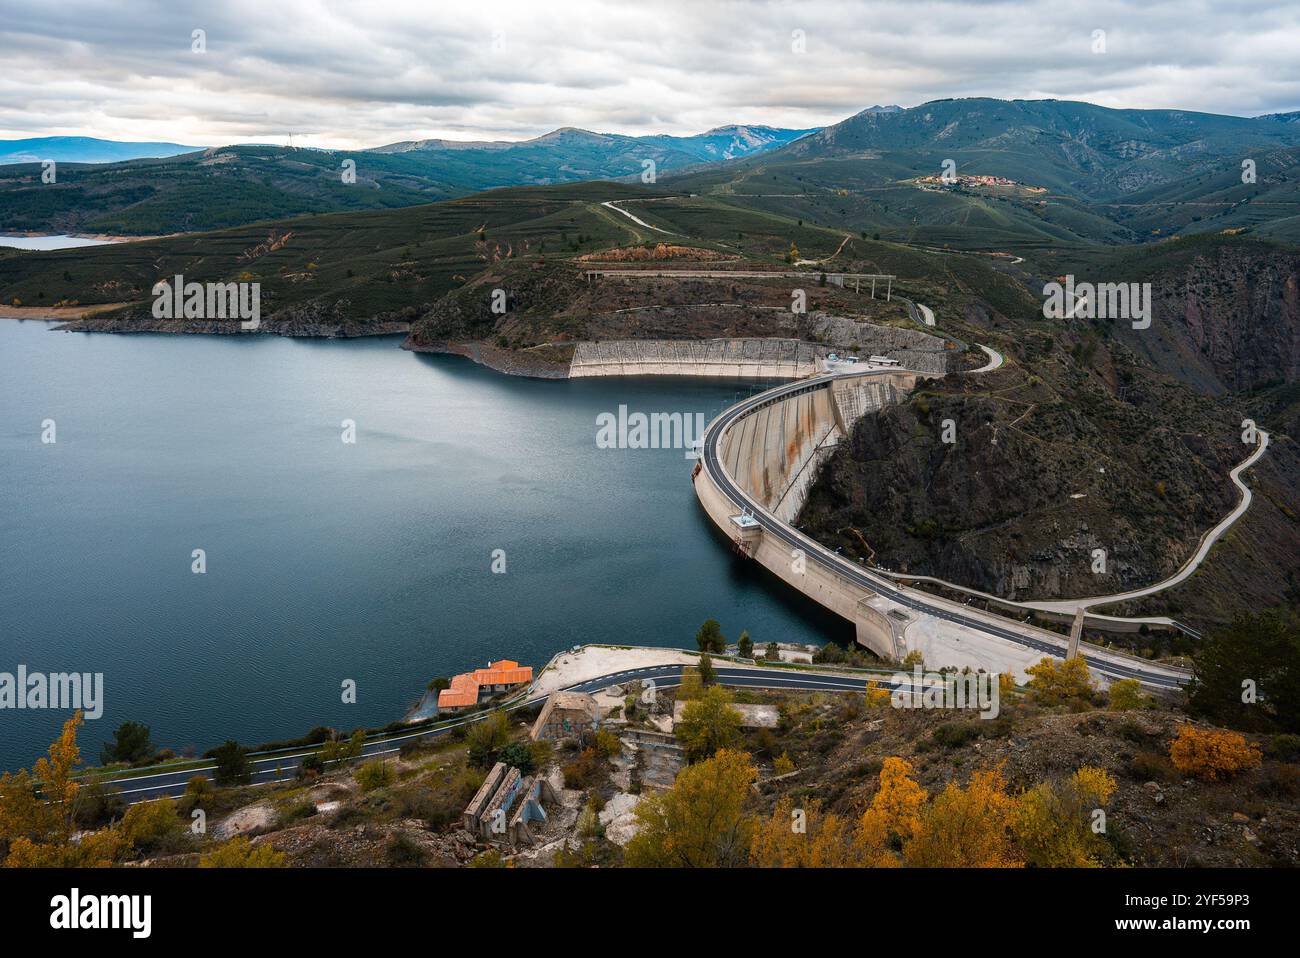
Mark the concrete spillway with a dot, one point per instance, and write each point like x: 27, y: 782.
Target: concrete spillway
x: 754, y: 358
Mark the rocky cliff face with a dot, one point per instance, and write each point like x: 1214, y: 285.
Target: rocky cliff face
x: 1226, y: 316
x: 1030, y: 487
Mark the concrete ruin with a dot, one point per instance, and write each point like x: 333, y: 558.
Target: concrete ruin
x: 565, y: 715
x: 508, y: 807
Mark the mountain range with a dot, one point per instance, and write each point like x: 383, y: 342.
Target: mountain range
x: 84, y: 149
x: 1026, y: 175
x: 231, y: 185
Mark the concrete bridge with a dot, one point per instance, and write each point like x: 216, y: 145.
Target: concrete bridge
x: 758, y: 461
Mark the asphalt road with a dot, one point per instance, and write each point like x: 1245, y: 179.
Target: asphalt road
x: 283, y: 764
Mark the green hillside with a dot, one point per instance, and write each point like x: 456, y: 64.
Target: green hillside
x: 234, y: 185
x: 1082, y: 175
x: 363, y: 263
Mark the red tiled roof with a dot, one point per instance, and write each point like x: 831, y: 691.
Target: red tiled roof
x: 464, y: 687
x: 504, y: 672
x: 463, y: 691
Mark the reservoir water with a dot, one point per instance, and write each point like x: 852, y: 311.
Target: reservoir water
x: 329, y: 561
x: 60, y: 241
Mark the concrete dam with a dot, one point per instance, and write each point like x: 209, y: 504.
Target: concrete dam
x: 751, y: 358
x: 769, y: 452
x: 774, y: 453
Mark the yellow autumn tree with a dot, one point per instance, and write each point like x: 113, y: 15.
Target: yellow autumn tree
x: 804, y: 837
x: 36, y: 813
x: 700, y: 821
x: 1053, y: 824
x: 1211, y: 754
x: 893, y: 817
x: 1054, y: 683
x: 966, y: 828
x: 708, y: 724
x: 691, y: 688
x: 877, y: 695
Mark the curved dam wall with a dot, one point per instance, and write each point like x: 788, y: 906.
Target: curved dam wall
x: 754, y: 358
x: 774, y: 453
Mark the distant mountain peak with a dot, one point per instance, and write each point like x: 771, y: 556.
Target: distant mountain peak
x: 570, y: 133
x: 85, y: 149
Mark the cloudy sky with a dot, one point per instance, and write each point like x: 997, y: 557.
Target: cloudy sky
x: 355, y: 74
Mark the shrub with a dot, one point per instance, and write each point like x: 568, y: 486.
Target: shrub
x: 97, y: 804
x: 1147, y: 766
x: 198, y: 790
x: 542, y: 752
x: 310, y: 765
x: 878, y: 696
x: 374, y: 774
x: 153, y: 826
x: 1126, y: 694
x: 486, y: 740
x: 1212, y: 754
x: 232, y: 764
x: 585, y: 771
x: 240, y: 853
x: 403, y: 851
x: 1280, y: 781
x: 1284, y: 747
x: 519, y: 755
x: 606, y: 743
x: 955, y: 734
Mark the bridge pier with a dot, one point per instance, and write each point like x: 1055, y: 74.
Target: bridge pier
x: 1076, y: 632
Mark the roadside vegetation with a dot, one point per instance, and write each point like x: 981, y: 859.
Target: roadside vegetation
x: 1066, y: 775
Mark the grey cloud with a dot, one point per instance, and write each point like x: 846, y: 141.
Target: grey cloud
x: 352, y: 74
